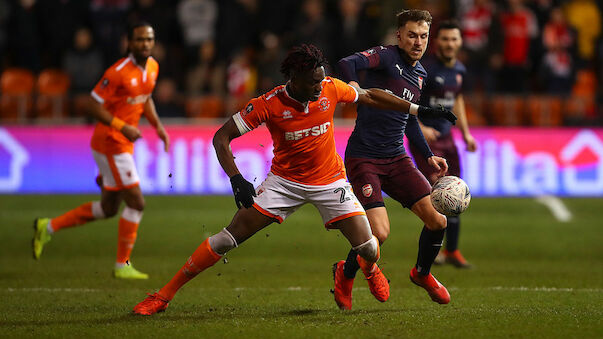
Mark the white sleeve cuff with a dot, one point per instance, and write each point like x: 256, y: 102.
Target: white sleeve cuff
x: 355, y: 91
x: 414, y: 109
x: 241, y: 124
x: 97, y: 97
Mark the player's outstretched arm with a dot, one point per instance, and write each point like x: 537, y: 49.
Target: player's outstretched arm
x: 243, y: 190
x: 150, y: 112
x: 98, y: 112
x: 385, y: 100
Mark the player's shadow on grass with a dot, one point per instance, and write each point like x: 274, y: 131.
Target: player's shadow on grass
x: 128, y: 318
x: 243, y: 314
x: 122, y: 319
x: 302, y: 312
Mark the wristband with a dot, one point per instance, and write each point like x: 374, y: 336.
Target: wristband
x: 117, y: 123
x: 413, y: 109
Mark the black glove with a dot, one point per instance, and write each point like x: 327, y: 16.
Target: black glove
x: 243, y: 191
x: 436, y: 112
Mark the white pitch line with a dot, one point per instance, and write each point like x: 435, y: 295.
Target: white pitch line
x: 47, y: 289
x: 556, y: 206
x: 545, y: 289
x: 529, y: 289
x: 299, y: 289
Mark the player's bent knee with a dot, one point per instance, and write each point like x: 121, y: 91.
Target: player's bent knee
x: 381, y: 235
x: 439, y: 222
x: 369, y: 250
x: 110, y: 210
x: 222, y: 242
x: 137, y: 204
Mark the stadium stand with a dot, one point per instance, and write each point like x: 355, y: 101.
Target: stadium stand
x: 16, y: 85
x: 52, y: 88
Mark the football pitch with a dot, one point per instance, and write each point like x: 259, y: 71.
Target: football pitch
x: 534, y: 276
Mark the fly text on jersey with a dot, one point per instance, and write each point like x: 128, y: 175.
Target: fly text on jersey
x: 313, y: 131
x: 407, y: 95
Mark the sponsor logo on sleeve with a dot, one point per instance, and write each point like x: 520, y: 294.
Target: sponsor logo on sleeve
x: 368, y: 52
x: 105, y: 83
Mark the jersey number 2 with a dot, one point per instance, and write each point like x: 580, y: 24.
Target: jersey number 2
x: 340, y: 190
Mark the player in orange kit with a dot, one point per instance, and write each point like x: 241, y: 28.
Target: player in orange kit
x: 117, y: 102
x: 305, y: 169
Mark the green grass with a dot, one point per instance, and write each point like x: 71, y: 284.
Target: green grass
x: 534, y: 276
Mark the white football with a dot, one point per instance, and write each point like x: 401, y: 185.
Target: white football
x: 450, y: 195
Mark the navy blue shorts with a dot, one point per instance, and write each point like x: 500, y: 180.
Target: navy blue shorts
x: 398, y: 177
x: 443, y: 147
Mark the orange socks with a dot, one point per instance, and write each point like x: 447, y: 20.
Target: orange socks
x: 128, y: 226
x: 78, y: 216
x: 203, y: 257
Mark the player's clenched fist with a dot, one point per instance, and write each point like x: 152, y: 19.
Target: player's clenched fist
x: 243, y: 191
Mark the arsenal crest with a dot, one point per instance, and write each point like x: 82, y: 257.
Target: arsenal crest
x: 367, y: 190
x: 420, y: 82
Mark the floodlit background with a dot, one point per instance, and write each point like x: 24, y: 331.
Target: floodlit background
x: 533, y: 68
x: 533, y: 229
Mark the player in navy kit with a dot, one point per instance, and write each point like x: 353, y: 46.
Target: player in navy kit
x: 443, y: 87
x: 376, y: 160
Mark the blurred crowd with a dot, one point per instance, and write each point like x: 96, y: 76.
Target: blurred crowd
x: 521, y: 55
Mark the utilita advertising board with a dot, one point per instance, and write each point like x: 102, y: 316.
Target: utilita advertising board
x: 508, y: 162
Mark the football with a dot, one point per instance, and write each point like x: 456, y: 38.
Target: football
x: 450, y: 195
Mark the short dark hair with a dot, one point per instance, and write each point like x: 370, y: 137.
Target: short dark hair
x: 134, y: 25
x: 447, y: 24
x: 413, y: 15
x: 302, y: 58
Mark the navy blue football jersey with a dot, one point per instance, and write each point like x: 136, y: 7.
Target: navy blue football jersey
x: 379, y: 133
x: 442, y: 87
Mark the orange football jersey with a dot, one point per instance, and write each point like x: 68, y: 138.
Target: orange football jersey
x: 304, y: 145
x: 123, y: 91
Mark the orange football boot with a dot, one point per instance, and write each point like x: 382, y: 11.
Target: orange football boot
x: 456, y: 259
x: 378, y: 283
x: 440, y: 259
x: 152, y: 304
x: 343, y: 287
x: 436, y: 291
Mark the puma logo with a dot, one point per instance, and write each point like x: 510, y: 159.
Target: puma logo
x: 399, y: 69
